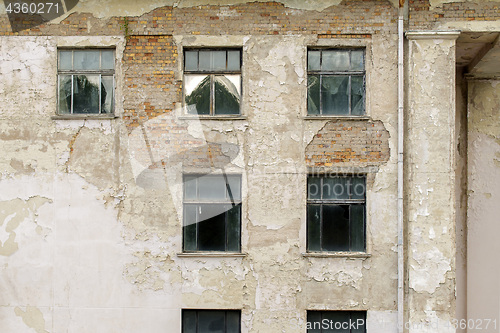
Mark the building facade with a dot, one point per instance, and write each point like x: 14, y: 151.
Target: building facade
x: 233, y: 166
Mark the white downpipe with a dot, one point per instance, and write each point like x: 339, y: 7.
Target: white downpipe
x: 400, y: 171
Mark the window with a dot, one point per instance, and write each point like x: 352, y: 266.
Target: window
x: 212, y: 213
x: 336, y: 213
x: 212, y: 82
x: 336, y: 321
x: 86, y: 81
x: 210, y: 321
x: 336, y: 82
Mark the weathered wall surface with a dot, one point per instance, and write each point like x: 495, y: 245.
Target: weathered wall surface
x: 454, y: 14
x: 91, y: 210
x: 484, y: 194
x: 461, y: 195
x: 430, y: 173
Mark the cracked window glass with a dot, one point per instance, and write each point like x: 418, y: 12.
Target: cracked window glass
x: 336, y: 82
x: 86, y: 81
x: 212, y: 82
x: 212, y: 213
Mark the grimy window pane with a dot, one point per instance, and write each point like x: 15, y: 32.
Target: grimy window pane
x: 233, y: 228
x: 313, y: 92
x: 107, y: 59
x: 357, y: 95
x: 314, y: 322
x: 336, y: 319
x: 232, y: 322
x: 212, y: 187
x: 335, y: 95
x: 211, y: 322
x: 188, y: 321
x: 358, y: 187
x: 189, y: 228
x: 85, y: 93
x: 191, y: 60
x: 235, y: 186
x: 190, y: 187
x: 197, y: 91
x: 314, y: 188
x: 335, y: 188
x: 313, y: 227
x: 233, y: 60
x: 65, y: 60
x: 313, y: 60
x: 205, y: 62
x: 227, y: 94
x: 212, y: 228
x: 357, y: 60
x: 357, y: 228
x: 359, y: 317
x: 218, y: 60
x: 335, y: 229
x: 86, y: 59
x: 335, y: 61
x: 106, y: 94
x: 64, y: 94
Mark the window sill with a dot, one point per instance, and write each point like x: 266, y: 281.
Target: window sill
x: 83, y: 117
x: 212, y: 254
x: 235, y: 117
x: 361, y: 255
x: 336, y: 117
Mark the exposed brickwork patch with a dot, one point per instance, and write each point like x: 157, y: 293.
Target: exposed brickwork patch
x: 423, y: 16
x: 266, y: 18
x: 349, y: 143
x: 344, y: 36
x: 150, y: 85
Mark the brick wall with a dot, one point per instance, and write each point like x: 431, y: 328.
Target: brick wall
x: 355, y: 16
x: 423, y: 16
x: 150, y: 85
x: 349, y: 142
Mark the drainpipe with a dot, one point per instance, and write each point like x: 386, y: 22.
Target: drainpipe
x: 402, y: 8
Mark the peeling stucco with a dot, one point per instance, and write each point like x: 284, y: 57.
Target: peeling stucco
x: 430, y: 180
x: 12, y: 214
x: 429, y: 271
x: 33, y: 318
x: 437, y: 3
x: 108, y: 241
x: 130, y: 8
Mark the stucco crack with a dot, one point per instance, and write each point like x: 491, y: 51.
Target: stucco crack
x: 71, y: 144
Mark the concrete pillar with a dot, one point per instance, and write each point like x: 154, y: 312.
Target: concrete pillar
x: 430, y: 148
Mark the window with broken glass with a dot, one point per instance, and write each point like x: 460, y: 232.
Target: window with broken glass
x: 212, y: 82
x: 336, y: 321
x: 212, y: 213
x: 211, y: 321
x: 336, y: 82
x: 336, y: 213
x: 86, y: 81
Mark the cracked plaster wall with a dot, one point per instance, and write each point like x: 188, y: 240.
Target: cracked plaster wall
x: 96, y: 245
x: 430, y: 174
x: 483, y: 196
x: 104, y: 9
